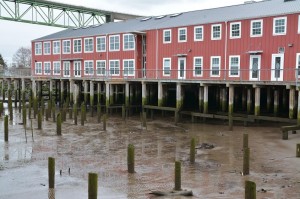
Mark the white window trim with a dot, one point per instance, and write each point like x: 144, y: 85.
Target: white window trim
x: 48, y: 42
x: 239, y: 68
x: 211, y: 58
x: 55, y: 62
x: 212, y: 32
x: 63, y: 52
x: 299, y: 24
x: 129, y: 75
x: 35, y: 44
x: 273, y: 67
x: 262, y: 28
x: 97, y: 44
x: 114, y: 50
x: 285, y: 29
x: 194, y: 70
x: 35, y: 71
x: 167, y: 42
x: 74, y: 46
x: 195, y: 39
x: 105, y: 69
x: 297, y: 61
x: 80, y: 69
x: 64, y: 70
x: 47, y: 62
x: 59, y: 47
x: 179, y: 29
x: 240, y: 30
x: 88, y: 74
x: 114, y: 60
x: 88, y: 38
x: 124, y: 43
x: 163, y: 70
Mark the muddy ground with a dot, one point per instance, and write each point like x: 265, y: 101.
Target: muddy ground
x: 216, y: 173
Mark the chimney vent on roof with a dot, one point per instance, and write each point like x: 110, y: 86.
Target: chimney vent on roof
x: 248, y: 2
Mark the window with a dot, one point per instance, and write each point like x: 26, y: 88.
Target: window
x: 235, y: 30
x: 88, y: 67
x: 38, y: 48
x: 166, y: 66
x: 128, y: 42
x: 167, y: 36
x: 298, y: 64
x: 198, y: 33
x: 277, y: 67
x: 101, y: 67
x: 77, y: 45
x: 114, y: 67
x: 128, y: 67
x: 182, y: 34
x: 234, y: 65
x: 77, y: 69
x: 66, y: 69
x: 256, y: 28
x: 216, y: 32
x: 56, y: 47
x: 47, y: 68
x: 215, y: 66
x: 101, y: 44
x: 66, y: 46
x: 279, y: 26
x: 47, y: 48
x: 198, y: 64
x: 88, y: 45
x: 114, y: 43
x: 299, y: 24
x: 56, y: 68
x: 38, y: 68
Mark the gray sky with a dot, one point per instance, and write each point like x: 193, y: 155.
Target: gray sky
x: 15, y: 34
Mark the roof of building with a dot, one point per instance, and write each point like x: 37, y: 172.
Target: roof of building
x: 248, y: 10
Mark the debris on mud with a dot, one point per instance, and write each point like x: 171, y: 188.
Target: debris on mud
x: 205, y: 146
x: 172, y: 193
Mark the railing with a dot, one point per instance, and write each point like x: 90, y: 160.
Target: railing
x: 16, y: 72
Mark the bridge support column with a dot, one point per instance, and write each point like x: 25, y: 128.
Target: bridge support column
x: 257, y: 101
x: 91, y: 96
x: 160, y: 94
x: 276, y: 102
x: 249, y: 100
x: 127, y: 98
x: 85, y: 85
x: 205, y: 102
x: 144, y: 93
x: 292, y: 103
x: 230, y: 106
x: 201, y: 98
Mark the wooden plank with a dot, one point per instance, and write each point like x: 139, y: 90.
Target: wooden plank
x: 273, y: 119
x: 290, y: 128
x: 160, y: 108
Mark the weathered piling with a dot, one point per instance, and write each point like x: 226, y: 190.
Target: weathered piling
x: 29, y: 106
x: 58, y: 124
x: 285, y: 135
x: 245, y: 140
x: 82, y: 118
x: 93, y: 185
x: 10, y: 106
x: 298, y: 151
x: 75, y: 113
x: 246, y: 161
x: 40, y: 119
x: 144, y: 119
x: 177, y: 176
x: 250, y: 190
x: 24, y: 115
x: 123, y: 112
x: 53, y: 111
x: 16, y: 98
x: 70, y: 112
x: 1, y: 108
x: 49, y: 108
x: 130, y: 158
x: 192, y: 150
x: 6, y: 128
x: 98, y: 113
x: 104, y: 122
x: 51, y: 172
x: 35, y: 107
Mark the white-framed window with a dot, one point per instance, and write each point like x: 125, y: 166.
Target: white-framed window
x: 101, y: 44
x: 299, y: 24
x: 101, y: 67
x: 56, y: 68
x: 88, y: 67
x: 235, y: 30
x: 198, y: 33
x: 114, y: 67
x: 66, y: 46
x: 77, y: 46
x: 298, y: 64
x: 256, y: 29
x: 66, y: 68
x: 215, y: 65
x: 128, y: 67
x: 56, y: 47
x: 77, y: 68
x: 88, y: 45
x: 128, y: 42
x: 277, y: 67
x: 114, y: 42
x: 182, y: 34
x: 47, y: 68
x: 167, y: 36
x: 38, y: 48
x: 198, y: 66
x: 234, y: 66
x: 279, y: 25
x: 166, y: 66
x: 38, y: 68
x: 216, y: 32
x: 47, y: 48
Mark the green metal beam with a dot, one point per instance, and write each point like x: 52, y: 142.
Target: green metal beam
x: 56, y: 14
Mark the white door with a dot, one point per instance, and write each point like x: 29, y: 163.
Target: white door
x: 66, y: 69
x: 255, y: 61
x: 181, y: 67
x: 277, y: 67
x: 77, y: 69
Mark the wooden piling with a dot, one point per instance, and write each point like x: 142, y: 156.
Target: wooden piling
x: 250, y: 190
x: 130, y: 158
x: 35, y: 107
x: 1, y: 108
x: 58, y: 124
x: 24, y: 115
x: 104, y: 122
x: 51, y: 172
x: 123, y: 112
x: 246, y: 161
x: 29, y: 106
x: 53, y: 111
x: 192, y: 150
x: 93, y: 186
x: 82, y: 118
x: 245, y: 140
x: 10, y: 106
x: 98, y: 113
x: 6, y: 128
x: 40, y: 119
x: 75, y: 113
x: 144, y: 119
x: 177, y: 176
x: 285, y: 135
x: 16, y: 98
x: 298, y: 151
x: 70, y: 112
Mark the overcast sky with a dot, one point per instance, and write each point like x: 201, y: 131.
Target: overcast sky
x: 15, y: 34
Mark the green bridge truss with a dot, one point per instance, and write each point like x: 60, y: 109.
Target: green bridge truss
x: 56, y: 14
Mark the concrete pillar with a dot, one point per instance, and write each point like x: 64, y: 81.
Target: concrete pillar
x: 144, y: 94
x: 205, y: 102
x: 179, y: 100
x: 91, y: 94
x: 107, y: 86
x: 298, y: 115
x: 201, y: 98
x: 269, y: 99
x: 160, y: 94
x: 257, y: 101
x: 33, y: 87
x: 224, y: 99
x: 127, y: 103
x: 85, y: 84
x: 276, y: 102
x: 249, y: 100
x: 71, y: 91
x: 230, y: 106
x: 292, y: 103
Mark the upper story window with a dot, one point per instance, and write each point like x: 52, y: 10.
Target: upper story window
x: 77, y: 45
x: 198, y: 33
x: 38, y: 68
x: 114, y: 67
x: 56, y: 47
x: 235, y: 30
x: 101, y: 44
x: 47, y: 68
x: 166, y: 66
x: 66, y: 46
x: 128, y: 42
x: 128, y: 67
x: 256, y: 28
x: 114, y: 42
x: 198, y: 65
x: 167, y: 36
x: 279, y: 26
x: 215, y: 64
x: 56, y: 68
x: 298, y: 63
x: 88, y: 45
x: 47, y: 48
x: 38, y: 48
x: 299, y: 24
x: 216, y: 32
x: 101, y: 67
x: 234, y: 66
x: 89, y: 67
x: 182, y: 32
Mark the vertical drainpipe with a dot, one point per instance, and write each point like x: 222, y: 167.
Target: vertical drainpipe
x: 156, y: 53
x: 225, y: 65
